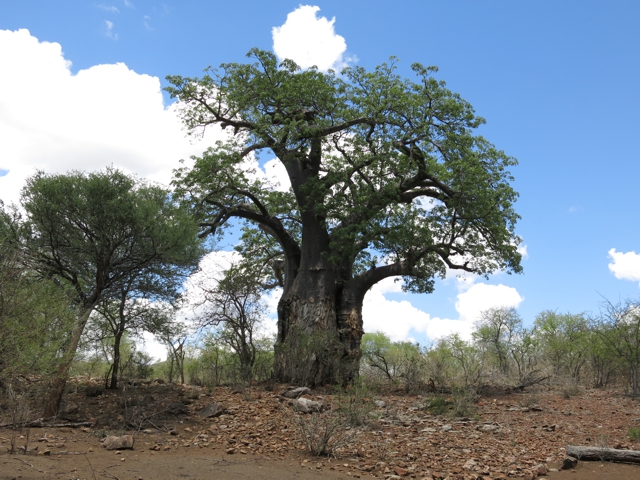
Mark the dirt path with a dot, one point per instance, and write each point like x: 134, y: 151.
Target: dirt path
x: 170, y: 465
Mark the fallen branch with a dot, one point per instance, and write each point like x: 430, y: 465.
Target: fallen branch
x: 40, y: 423
x: 608, y: 454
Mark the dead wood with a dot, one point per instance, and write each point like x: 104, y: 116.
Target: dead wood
x: 608, y: 454
x: 40, y: 423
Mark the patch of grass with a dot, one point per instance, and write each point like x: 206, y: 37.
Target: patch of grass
x: 438, y: 405
x: 634, y: 433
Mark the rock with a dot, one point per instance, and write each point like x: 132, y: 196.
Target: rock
x: 446, y: 428
x: 380, y: 404
x: 211, y: 411
x: 93, y: 391
x: 568, y: 463
x: 118, y: 443
x: 469, y: 464
x: 71, y: 408
x: 159, y: 381
x: 296, y: 392
x: 488, y: 428
x: 401, y: 472
x: 177, y: 408
x: 305, y: 405
x: 540, y: 469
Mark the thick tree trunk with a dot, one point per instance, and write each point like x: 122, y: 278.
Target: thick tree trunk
x: 319, y: 332
x: 53, y: 401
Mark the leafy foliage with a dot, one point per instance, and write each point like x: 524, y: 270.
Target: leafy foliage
x: 384, y: 165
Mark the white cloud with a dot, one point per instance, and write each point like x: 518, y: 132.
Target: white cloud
x: 522, y: 250
x: 398, y: 318
x: 109, y: 30
x: 277, y: 175
x: 625, y: 266
x: 128, y: 4
x: 108, y: 8
x: 309, y: 40
x: 53, y: 120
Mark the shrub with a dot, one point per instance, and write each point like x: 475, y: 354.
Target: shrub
x: 324, y: 433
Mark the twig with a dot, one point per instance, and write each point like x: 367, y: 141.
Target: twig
x: 92, y: 471
x: 110, y: 475
x: 23, y: 461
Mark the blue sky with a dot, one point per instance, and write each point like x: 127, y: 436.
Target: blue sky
x: 556, y: 81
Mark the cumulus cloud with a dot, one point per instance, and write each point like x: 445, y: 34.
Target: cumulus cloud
x: 398, y: 319
x: 56, y: 121
x: 310, y: 40
x: 277, y: 175
x: 625, y: 266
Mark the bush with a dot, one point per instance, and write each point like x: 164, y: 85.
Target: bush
x: 354, y: 404
x: 324, y: 433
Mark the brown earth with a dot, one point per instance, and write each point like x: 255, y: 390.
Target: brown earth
x: 510, y: 436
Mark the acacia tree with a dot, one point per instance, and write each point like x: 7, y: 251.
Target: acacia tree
x: 387, y: 179
x: 95, y: 232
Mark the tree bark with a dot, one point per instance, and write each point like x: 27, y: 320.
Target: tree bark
x: 609, y: 454
x: 53, y: 401
x: 116, y: 360
x: 319, y: 332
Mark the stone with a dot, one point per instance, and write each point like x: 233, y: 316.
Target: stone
x: 177, y: 408
x: 296, y: 392
x: 540, y: 469
x: 118, y: 443
x: 380, y: 404
x: 93, y: 391
x: 305, y: 405
x: 568, y: 463
x: 211, y: 411
x: 402, y: 472
x: 71, y: 408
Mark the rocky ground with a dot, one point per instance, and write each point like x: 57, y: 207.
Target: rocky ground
x: 191, y: 432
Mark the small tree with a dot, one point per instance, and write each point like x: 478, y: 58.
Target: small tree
x: 235, y: 310
x: 468, y: 359
x: 122, y: 315
x: 95, y: 232
x: 619, y: 328
x: 397, y: 361
x: 175, y: 338
x: 496, y: 332
x: 563, y: 341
